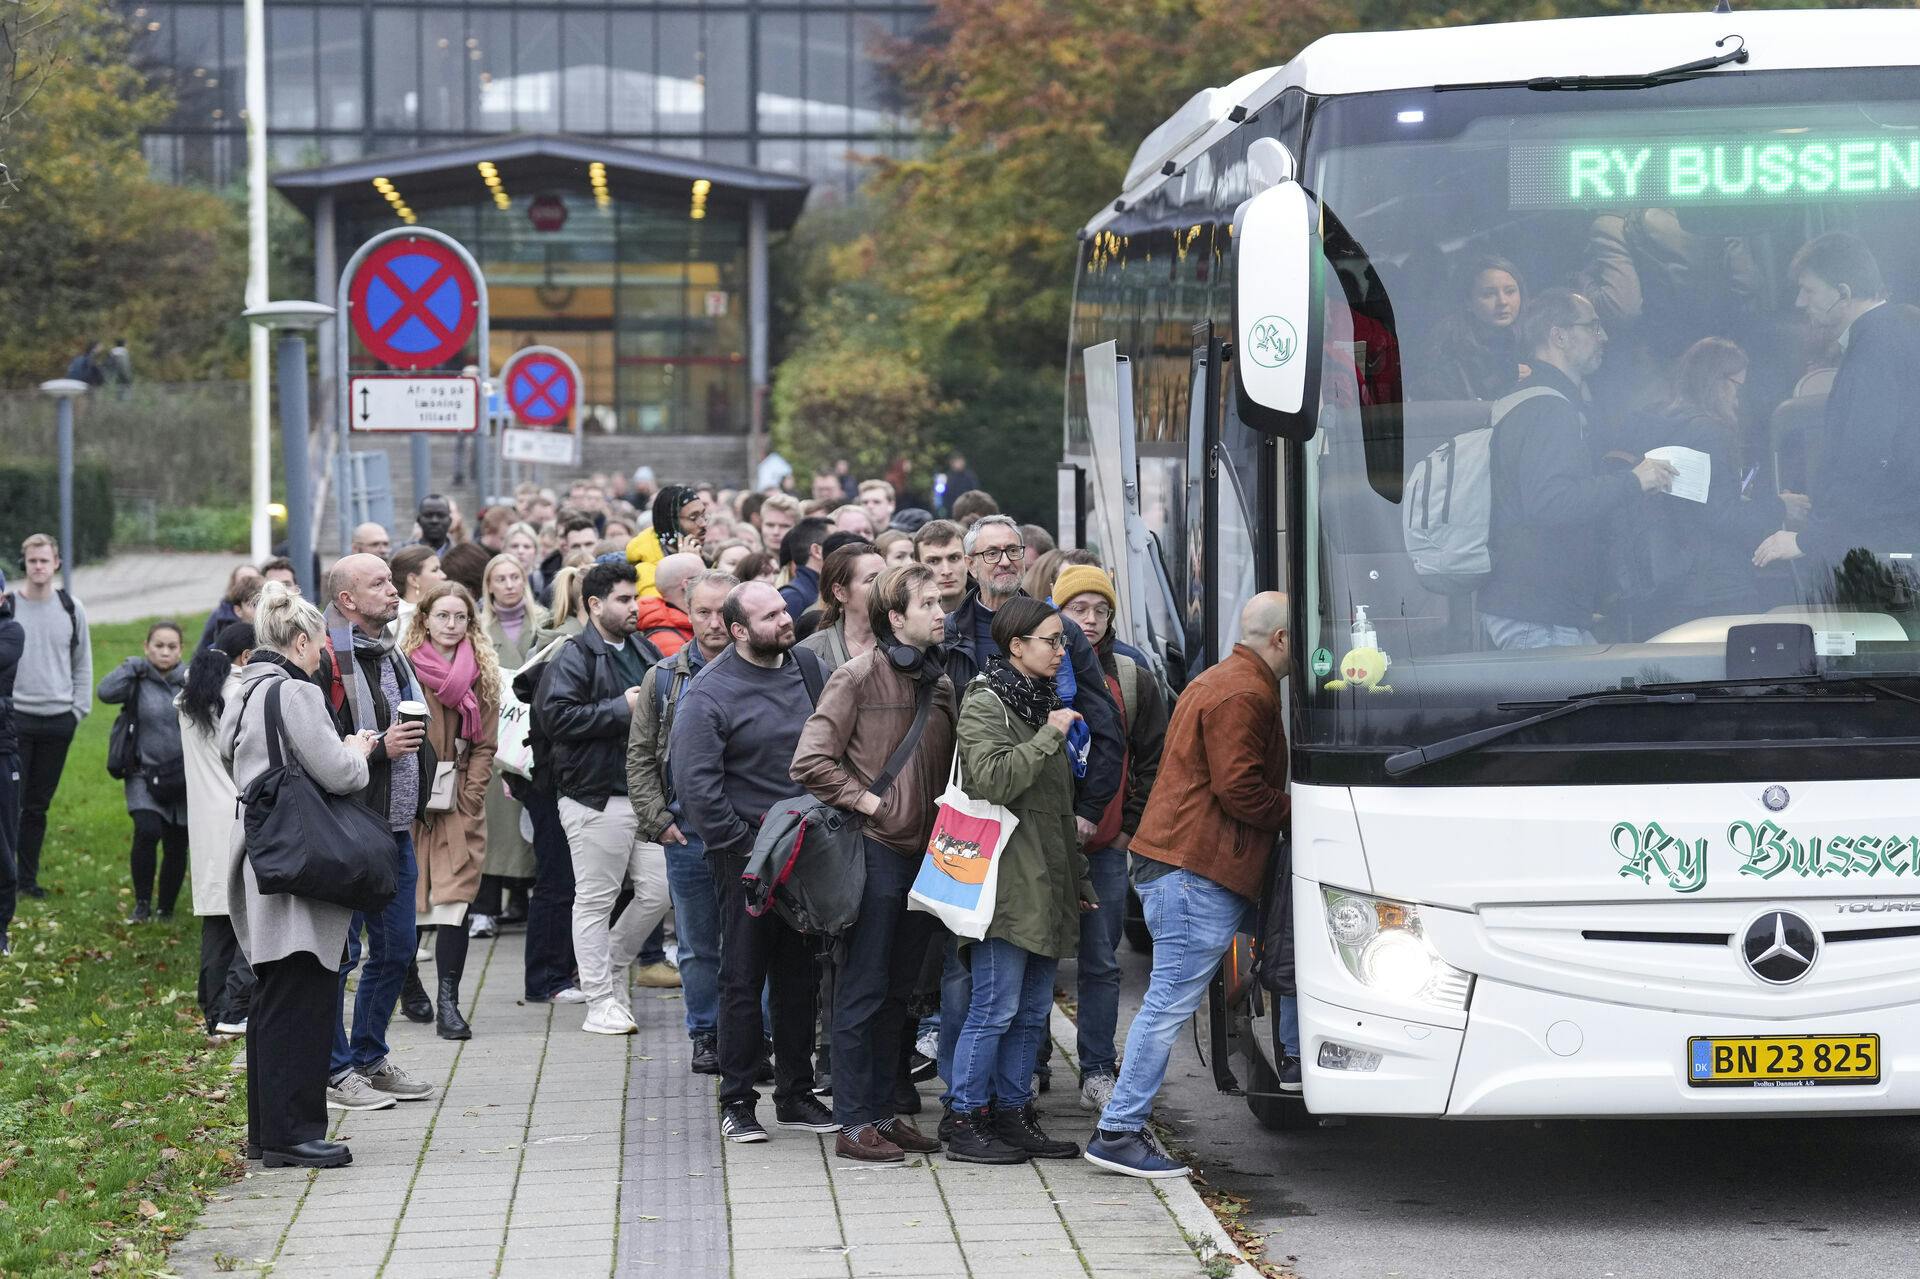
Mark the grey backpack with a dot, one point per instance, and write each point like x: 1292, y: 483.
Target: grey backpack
x: 1449, y: 503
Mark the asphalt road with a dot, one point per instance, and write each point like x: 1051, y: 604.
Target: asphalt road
x: 1563, y: 1200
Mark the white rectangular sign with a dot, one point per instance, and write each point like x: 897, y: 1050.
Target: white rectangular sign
x: 443, y: 403
x: 557, y: 448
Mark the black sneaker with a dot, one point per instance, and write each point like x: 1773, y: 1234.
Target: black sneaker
x: 737, y: 1123
x: 921, y: 1068
x: 34, y: 891
x: 947, y: 1120
x: 414, y: 1003
x: 823, y: 1083
x: 1290, y: 1075
x: 1021, y: 1128
x: 804, y: 1113
x: 141, y: 913
x: 706, y: 1055
x: 974, y: 1140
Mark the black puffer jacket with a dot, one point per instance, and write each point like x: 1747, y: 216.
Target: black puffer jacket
x: 13, y: 641
x: 583, y: 713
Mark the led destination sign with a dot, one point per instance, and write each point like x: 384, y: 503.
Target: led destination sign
x: 1737, y: 170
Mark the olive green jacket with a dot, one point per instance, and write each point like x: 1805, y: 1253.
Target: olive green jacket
x: 1043, y: 873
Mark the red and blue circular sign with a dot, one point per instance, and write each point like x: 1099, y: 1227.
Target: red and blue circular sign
x: 541, y: 389
x: 414, y: 303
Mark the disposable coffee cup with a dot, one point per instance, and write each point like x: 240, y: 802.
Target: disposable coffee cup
x: 411, y: 712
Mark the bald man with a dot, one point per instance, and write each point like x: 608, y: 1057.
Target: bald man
x: 371, y: 539
x: 1200, y: 860
x: 365, y: 679
x: 664, y: 621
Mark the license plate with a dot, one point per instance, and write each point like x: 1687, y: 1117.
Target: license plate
x: 1783, y: 1061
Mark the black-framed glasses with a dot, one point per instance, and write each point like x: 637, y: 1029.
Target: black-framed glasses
x: 1054, y: 642
x: 1000, y: 554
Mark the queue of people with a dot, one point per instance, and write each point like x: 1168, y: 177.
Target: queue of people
x: 663, y: 705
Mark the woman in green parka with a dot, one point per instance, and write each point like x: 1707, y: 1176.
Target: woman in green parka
x: 1013, y: 752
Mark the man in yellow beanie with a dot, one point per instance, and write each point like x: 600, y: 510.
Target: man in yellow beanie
x: 1085, y: 596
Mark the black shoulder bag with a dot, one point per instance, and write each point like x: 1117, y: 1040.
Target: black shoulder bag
x: 809, y: 862
x: 309, y: 843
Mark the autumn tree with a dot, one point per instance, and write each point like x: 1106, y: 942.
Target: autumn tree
x: 94, y: 246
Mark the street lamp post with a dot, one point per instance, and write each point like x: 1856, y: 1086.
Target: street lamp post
x: 64, y: 391
x: 294, y: 319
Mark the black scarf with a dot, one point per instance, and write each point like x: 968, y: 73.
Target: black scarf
x: 1030, y: 698
x: 667, y: 505
x: 267, y: 657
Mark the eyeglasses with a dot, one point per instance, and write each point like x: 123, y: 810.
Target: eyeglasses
x: 450, y: 619
x: 1093, y: 612
x: 1054, y: 642
x: 1003, y: 554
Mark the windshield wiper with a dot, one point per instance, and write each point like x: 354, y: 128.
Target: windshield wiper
x: 1644, y: 80
x: 1447, y: 747
x: 1792, y: 688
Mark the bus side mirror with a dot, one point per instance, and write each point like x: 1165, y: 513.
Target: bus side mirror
x: 1277, y: 311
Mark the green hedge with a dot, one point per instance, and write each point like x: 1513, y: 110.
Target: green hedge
x: 30, y: 503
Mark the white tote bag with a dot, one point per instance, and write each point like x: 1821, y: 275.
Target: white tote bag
x: 514, y: 754
x: 960, y: 875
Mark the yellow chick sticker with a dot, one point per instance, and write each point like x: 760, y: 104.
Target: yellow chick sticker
x: 1363, y: 668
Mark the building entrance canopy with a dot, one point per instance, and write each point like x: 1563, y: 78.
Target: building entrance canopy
x: 649, y: 270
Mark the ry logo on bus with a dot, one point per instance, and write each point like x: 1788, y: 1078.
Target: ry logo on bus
x: 1274, y: 342
x: 1648, y: 853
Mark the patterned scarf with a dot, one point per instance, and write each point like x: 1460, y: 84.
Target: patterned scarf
x: 343, y: 635
x: 1029, y: 698
x: 453, y: 683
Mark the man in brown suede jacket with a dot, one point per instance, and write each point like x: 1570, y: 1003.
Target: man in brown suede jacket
x: 864, y: 715
x: 1200, y: 859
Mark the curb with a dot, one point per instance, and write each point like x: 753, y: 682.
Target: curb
x: 1188, y: 1209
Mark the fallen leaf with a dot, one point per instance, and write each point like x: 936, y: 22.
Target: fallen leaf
x: 148, y: 1209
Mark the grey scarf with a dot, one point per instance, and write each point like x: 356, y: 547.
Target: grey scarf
x: 343, y: 635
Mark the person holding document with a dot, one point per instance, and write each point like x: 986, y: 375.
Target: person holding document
x: 1699, y: 536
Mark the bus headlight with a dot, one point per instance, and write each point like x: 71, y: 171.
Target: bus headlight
x: 1383, y: 945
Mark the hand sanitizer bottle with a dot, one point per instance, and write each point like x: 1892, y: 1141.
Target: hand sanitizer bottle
x: 1363, y: 632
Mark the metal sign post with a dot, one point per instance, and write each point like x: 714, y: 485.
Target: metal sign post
x: 415, y: 298
x: 543, y: 392
x: 64, y: 390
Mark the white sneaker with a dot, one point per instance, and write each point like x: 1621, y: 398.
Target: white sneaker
x: 928, y: 1044
x: 570, y: 995
x: 481, y: 926
x: 1096, y: 1090
x: 423, y: 954
x: 608, y: 1017
x: 230, y: 1027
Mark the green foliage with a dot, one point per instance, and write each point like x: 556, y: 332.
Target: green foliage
x: 184, y: 528
x: 116, y: 1116
x: 30, y: 503
x: 95, y: 247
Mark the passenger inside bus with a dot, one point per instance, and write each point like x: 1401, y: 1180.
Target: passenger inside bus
x: 1476, y: 355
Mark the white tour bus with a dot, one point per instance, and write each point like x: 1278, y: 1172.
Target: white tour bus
x: 1667, y: 863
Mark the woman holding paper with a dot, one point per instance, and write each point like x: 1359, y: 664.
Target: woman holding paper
x: 1701, y: 535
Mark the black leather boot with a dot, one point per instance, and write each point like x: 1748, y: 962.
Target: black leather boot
x: 413, y: 997
x: 451, y: 1024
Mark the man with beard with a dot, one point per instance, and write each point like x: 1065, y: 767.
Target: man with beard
x: 587, y: 697
x: 365, y: 679
x: 733, y: 742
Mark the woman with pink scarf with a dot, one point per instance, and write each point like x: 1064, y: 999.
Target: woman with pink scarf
x: 460, y: 681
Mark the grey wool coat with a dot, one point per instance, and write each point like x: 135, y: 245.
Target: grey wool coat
x: 272, y: 926
x: 159, y: 733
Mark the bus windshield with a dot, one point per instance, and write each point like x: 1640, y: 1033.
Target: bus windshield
x: 1607, y: 379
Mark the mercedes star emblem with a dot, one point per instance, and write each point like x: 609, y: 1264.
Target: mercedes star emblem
x: 1775, y: 798
x: 1780, y: 947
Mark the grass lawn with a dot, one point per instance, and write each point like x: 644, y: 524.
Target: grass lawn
x: 116, y: 1117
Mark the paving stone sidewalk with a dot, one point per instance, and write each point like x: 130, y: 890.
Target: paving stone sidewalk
x: 552, y: 1152
x: 133, y: 588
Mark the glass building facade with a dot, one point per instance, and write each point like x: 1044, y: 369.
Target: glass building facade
x: 794, y: 87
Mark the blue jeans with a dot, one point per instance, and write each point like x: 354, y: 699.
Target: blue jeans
x: 1505, y: 632
x: 696, y: 922
x: 1289, y: 1012
x: 390, y: 940
x: 956, y: 992
x: 1098, y: 961
x: 1193, y: 921
x: 994, y: 1053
